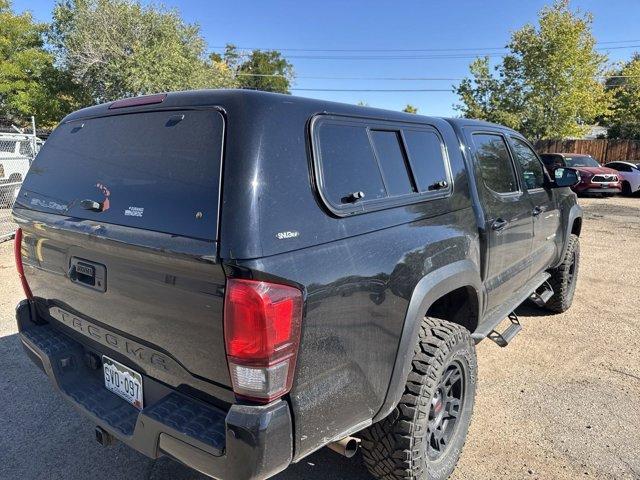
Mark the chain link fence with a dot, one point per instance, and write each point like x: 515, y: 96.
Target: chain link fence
x: 17, y: 151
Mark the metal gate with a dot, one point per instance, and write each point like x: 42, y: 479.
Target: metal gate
x: 17, y: 151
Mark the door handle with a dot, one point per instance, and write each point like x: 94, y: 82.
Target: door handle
x: 498, y: 224
x: 537, y: 211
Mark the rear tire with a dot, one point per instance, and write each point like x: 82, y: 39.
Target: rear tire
x: 422, y: 438
x: 564, y: 278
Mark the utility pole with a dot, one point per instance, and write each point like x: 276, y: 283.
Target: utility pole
x: 34, y: 142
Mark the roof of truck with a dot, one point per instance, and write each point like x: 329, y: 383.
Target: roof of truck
x: 226, y: 98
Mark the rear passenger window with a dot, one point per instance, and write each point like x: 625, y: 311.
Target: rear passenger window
x: 495, y: 163
x: 348, y: 163
x: 425, y: 150
x: 365, y: 164
x: 392, y: 162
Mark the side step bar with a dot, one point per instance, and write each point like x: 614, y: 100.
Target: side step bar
x: 542, y: 294
x: 503, y: 339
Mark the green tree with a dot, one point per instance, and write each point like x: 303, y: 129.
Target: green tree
x: 121, y: 48
x: 410, y: 109
x: 485, y: 97
x: 624, y: 121
x: 264, y: 70
x: 29, y: 82
x: 548, y: 85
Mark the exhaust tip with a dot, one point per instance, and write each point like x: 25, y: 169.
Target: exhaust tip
x: 346, y: 447
x: 351, y: 448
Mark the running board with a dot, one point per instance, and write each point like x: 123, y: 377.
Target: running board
x: 503, y: 339
x: 542, y: 295
x: 498, y: 314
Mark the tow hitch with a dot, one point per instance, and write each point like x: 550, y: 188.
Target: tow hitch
x: 103, y: 437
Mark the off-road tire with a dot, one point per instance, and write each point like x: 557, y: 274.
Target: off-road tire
x: 396, y: 447
x: 564, y: 278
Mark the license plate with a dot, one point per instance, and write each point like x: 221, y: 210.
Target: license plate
x: 123, y: 381
x: 604, y: 185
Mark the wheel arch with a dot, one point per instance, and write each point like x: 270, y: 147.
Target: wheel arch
x: 432, y: 294
x: 572, y: 226
x: 576, y: 226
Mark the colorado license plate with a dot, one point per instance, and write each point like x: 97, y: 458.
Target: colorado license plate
x: 122, y: 381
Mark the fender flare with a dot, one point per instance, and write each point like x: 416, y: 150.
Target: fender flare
x: 430, y: 288
x: 574, y: 212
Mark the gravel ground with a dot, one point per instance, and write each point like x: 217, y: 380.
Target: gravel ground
x: 562, y: 401
x: 5, y: 214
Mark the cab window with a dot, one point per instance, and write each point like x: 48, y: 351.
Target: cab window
x: 532, y: 170
x: 495, y: 162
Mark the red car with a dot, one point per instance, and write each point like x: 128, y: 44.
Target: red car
x: 594, y: 178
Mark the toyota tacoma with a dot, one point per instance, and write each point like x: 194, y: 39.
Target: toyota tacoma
x: 236, y: 279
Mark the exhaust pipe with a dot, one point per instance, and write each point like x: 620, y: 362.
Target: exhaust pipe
x: 347, y: 447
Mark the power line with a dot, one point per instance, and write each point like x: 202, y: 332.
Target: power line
x: 372, y: 90
x: 452, y: 56
x: 394, y: 90
x: 394, y: 57
x: 407, y: 79
x: 413, y: 50
x: 372, y: 50
x: 385, y: 90
x: 617, y: 47
x: 339, y: 77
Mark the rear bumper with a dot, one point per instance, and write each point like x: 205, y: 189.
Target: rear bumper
x: 245, y: 442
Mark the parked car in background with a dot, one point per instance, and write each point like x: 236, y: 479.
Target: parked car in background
x: 594, y: 178
x: 16, y: 153
x: 629, y: 174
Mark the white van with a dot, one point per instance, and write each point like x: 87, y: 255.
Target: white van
x: 16, y: 153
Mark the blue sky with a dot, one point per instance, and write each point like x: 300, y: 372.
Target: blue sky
x: 383, y: 25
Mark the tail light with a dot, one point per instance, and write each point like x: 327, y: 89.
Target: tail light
x: 262, y: 333
x: 17, y: 253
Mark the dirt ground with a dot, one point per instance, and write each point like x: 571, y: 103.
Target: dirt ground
x: 561, y: 401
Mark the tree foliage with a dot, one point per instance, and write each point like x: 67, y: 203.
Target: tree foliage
x: 548, y: 85
x: 410, y: 109
x: 120, y: 48
x: 29, y: 82
x: 624, y: 121
x: 264, y: 70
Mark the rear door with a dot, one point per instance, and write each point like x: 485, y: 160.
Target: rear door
x: 508, y: 220
x: 544, y: 209
x: 120, y: 221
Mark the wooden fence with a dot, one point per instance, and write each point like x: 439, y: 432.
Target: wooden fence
x: 603, y: 150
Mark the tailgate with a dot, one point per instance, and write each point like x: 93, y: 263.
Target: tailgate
x: 144, y: 268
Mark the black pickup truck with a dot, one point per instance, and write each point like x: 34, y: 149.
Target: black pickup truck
x: 237, y: 279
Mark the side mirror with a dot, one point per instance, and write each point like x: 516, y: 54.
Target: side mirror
x: 565, y: 177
